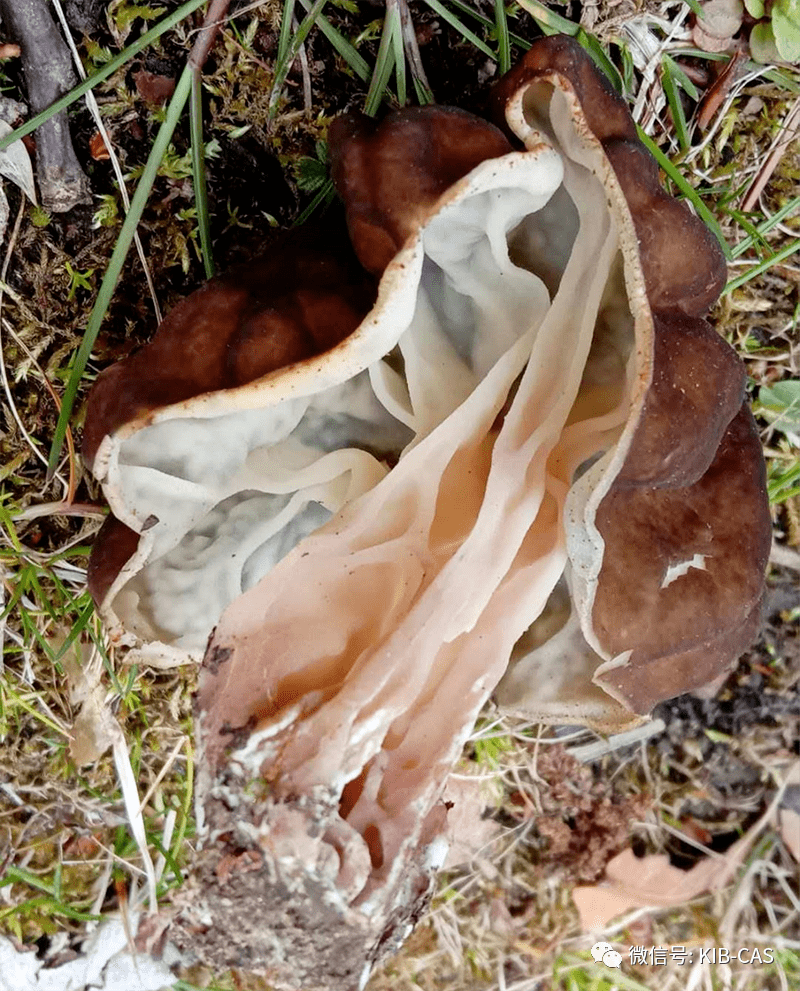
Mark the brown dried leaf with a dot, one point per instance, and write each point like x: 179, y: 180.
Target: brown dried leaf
x: 153, y: 87
x: 95, y: 729
x: 652, y: 881
x: 97, y: 148
x: 469, y: 831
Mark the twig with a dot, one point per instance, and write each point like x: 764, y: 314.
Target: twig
x: 48, y: 73
x: 208, y: 33
x: 787, y: 134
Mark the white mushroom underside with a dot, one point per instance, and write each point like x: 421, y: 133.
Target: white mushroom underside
x: 223, y: 498
x: 389, y: 624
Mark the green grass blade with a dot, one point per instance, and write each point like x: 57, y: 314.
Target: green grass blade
x: 490, y: 25
x: 628, y: 71
x: 597, y: 53
x: 753, y: 238
x: 399, y: 54
x: 672, y: 92
x: 548, y: 20
x: 682, y: 80
x: 788, y: 208
x: 282, y: 67
x: 107, y: 70
x: 384, y: 64
x: 503, y: 39
x: 358, y: 64
x: 687, y: 190
x: 325, y: 195
x: 781, y: 487
x: 463, y: 30
x: 185, y: 813
x: 199, y: 173
x: 160, y: 145
x: 77, y: 629
x: 763, y: 266
x: 286, y: 32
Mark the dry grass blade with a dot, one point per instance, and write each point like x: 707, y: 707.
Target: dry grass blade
x: 790, y: 128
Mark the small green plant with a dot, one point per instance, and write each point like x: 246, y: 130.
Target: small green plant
x: 39, y: 216
x: 78, y: 280
x: 490, y: 749
x: 312, y: 173
x: 776, y: 37
x: 122, y: 14
x: 107, y: 214
x: 783, y: 480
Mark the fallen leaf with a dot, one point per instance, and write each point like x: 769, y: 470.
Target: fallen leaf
x: 15, y: 164
x: 642, y: 882
x: 153, y: 87
x: 467, y: 830
x: 98, y: 149
x: 105, y: 964
x: 95, y: 729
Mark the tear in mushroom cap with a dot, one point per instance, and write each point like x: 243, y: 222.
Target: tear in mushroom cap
x: 528, y: 445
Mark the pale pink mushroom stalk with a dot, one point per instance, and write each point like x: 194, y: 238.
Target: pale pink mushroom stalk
x: 528, y: 446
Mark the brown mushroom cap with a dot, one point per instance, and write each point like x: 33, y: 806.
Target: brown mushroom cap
x: 301, y: 298
x: 685, y: 633
x: 694, y: 454
x: 390, y: 174
x: 681, y: 258
x: 114, y: 545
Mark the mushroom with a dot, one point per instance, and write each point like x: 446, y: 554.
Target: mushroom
x: 524, y: 443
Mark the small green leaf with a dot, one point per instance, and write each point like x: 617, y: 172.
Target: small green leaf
x: 755, y: 8
x: 763, y: 48
x: 786, y: 27
x: 780, y: 404
x: 310, y: 174
x: 78, y: 280
x: 671, y: 84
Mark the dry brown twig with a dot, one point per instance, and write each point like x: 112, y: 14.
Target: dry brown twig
x: 49, y: 75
